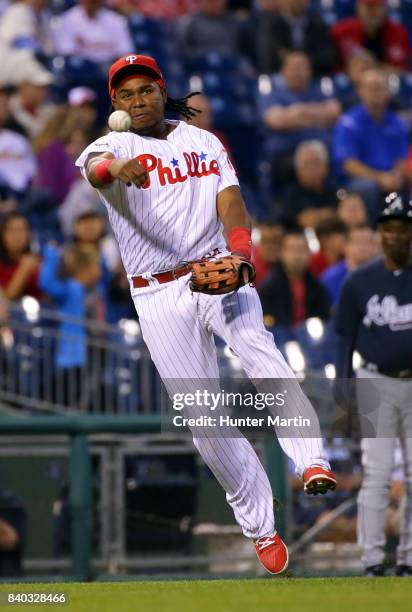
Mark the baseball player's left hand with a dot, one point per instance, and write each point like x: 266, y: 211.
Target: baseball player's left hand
x: 222, y: 275
x: 246, y: 271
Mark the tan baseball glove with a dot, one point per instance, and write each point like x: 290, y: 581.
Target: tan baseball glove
x: 223, y: 275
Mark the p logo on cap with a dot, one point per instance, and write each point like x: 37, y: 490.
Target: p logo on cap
x: 139, y: 65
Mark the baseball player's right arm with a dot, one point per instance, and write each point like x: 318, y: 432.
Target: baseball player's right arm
x: 103, y: 168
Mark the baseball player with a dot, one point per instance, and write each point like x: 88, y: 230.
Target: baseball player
x: 171, y: 193
x: 374, y: 317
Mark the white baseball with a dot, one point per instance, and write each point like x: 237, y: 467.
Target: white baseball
x: 120, y: 121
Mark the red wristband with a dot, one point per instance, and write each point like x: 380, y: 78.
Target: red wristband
x: 240, y: 241
x: 102, y: 173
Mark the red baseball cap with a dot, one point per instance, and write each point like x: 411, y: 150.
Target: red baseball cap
x: 133, y: 65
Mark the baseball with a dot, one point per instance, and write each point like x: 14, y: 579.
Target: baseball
x: 120, y: 121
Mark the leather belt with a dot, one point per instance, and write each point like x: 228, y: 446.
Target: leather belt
x: 162, y: 277
x: 391, y: 372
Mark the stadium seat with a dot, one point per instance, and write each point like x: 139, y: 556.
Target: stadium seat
x: 342, y: 88
x: 73, y: 71
x: 41, y: 212
x: 151, y: 37
x: 343, y: 8
x: 317, y: 352
x: 220, y: 64
x: 77, y: 69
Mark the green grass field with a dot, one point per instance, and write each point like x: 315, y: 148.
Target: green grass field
x: 274, y: 595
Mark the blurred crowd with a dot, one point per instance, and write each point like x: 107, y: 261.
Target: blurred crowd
x: 312, y: 99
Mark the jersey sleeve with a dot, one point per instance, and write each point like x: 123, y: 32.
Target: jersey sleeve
x: 105, y: 144
x: 228, y: 176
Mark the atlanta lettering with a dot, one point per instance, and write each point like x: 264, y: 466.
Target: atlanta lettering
x: 388, y: 312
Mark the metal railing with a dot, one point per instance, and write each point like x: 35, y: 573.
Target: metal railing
x: 55, y: 363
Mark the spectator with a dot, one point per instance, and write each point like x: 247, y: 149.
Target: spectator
x: 361, y: 246
x: 313, y: 196
x: 4, y: 311
x: 295, y: 110
x: 19, y: 266
x: 161, y: 9
x: 73, y: 285
x: 295, y: 27
x: 205, y: 119
x: 23, y: 25
x: 371, y: 144
x: 249, y: 41
x: 83, y: 99
x: 29, y: 106
x: 266, y: 252
x: 119, y: 304
x: 8, y: 536
x: 331, y: 234
x: 211, y: 29
x: 56, y: 148
x: 6, y: 120
x: 351, y: 209
x: 5, y: 333
x: 89, y: 229
x: 17, y: 162
x: 93, y: 32
x: 8, y: 201
x: 371, y: 29
x: 347, y: 85
x: 80, y: 199
x: 291, y: 294
x: 13, y: 526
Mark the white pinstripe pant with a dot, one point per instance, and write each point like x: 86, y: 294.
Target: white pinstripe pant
x: 178, y: 328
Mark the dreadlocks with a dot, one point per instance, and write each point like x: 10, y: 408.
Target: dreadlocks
x: 180, y: 105
x: 177, y: 105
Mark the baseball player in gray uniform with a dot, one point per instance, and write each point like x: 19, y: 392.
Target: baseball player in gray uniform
x: 374, y: 317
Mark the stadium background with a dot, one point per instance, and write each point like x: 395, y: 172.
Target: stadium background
x: 74, y: 381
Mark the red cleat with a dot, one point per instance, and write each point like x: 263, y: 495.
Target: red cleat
x: 272, y: 553
x: 317, y: 479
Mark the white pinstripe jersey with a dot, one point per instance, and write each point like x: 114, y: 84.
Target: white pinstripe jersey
x: 173, y: 217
